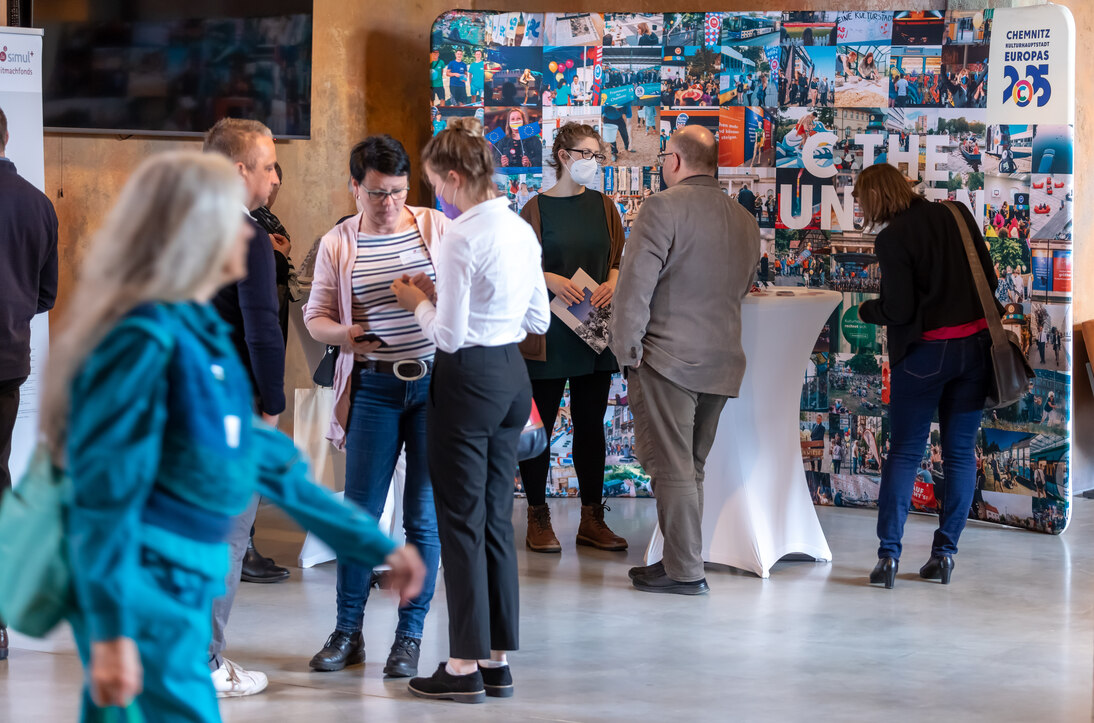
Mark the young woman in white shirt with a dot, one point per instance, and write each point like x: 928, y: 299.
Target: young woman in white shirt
x: 490, y: 293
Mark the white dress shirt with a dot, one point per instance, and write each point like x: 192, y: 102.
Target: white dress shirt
x: 490, y: 287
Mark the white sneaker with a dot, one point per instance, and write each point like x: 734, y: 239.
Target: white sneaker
x: 232, y: 681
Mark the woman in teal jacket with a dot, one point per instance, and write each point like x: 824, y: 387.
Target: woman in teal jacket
x: 150, y: 410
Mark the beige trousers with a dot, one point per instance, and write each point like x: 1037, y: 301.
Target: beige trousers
x: 674, y: 429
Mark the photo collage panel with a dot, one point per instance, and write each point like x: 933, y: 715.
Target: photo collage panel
x: 799, y: 102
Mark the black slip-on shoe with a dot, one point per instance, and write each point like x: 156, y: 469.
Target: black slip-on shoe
x: 442, y: 686
x: 498, y: 682
x: 664, y: 584
x: 340, y: 650
x: 657, y: 568
x: 402, y: 662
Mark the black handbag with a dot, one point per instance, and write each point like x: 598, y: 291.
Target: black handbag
x: 324, y: 370
x: 1010, y: 372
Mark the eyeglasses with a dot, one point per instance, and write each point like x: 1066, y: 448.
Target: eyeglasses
x: 662, y: 156
x: 587, y: 154
x: 381, y: 196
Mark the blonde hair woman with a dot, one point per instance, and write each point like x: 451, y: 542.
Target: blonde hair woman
x: 490, y: 293
x: 149, y: 408
x: 938, y: 354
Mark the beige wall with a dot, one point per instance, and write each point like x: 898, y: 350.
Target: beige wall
x: 369, y: 76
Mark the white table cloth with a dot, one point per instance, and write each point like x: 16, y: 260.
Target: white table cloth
x: 757, y: 506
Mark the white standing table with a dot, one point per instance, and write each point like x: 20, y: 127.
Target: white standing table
x: 757, y: 507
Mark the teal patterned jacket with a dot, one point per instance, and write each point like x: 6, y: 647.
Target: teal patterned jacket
x: 163, y: 404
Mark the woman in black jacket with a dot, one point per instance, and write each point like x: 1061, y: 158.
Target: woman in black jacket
x: 938, y: 351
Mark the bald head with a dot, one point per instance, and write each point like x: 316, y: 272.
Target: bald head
x: 697, y: 148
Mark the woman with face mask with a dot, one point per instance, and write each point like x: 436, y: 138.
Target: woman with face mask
x: 580, y: 229
x: 518, y: 149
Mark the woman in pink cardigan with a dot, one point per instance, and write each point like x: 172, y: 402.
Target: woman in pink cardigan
x: 381, y: 381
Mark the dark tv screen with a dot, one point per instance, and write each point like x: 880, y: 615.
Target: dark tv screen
x: 162, y: 67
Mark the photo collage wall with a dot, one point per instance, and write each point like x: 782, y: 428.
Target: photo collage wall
x: 799, y: 103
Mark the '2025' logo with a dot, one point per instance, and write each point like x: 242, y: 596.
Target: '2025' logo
x: 1023, y: 91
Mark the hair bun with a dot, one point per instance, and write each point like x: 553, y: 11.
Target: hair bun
x: 467, y: 124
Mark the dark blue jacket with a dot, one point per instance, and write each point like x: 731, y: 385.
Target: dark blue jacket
x: 28, y: 266
x: 747, y: 199
x: 250, y: 308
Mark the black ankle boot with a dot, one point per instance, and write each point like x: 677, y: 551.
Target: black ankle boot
x: 885, y: 572
x: 402, y: 662
x: 257, y: 568
x: 341, y: 649
x: 939, y: 567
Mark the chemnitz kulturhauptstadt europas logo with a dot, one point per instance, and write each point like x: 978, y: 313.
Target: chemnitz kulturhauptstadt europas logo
x: 1032, y: 47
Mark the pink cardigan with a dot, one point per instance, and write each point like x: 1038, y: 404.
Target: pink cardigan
x: 332, y: 297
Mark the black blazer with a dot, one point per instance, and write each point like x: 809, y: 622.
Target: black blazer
x: 250, y: 308
x: 926, y: 282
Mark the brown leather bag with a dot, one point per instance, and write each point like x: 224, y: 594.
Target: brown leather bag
x: 534, y: 347
x: 1011, y: 372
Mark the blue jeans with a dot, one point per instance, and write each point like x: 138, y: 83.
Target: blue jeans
x: 951, y: 376
x: 387, y: 413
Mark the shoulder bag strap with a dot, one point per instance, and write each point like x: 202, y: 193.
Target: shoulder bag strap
x: 991, y: 313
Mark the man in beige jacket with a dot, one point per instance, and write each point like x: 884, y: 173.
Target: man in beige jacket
x: 676, y: 328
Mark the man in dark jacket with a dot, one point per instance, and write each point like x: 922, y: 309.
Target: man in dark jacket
x: 250, y: 307
x: 28, y: 276
x: 747, y: 198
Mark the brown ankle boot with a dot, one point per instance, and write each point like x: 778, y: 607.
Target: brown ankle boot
x: 594, y: 532
x: 541, y: 537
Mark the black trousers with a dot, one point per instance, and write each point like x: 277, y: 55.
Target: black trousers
x: 588, y: 402
x: 9, y: 408
x: 479, y: 400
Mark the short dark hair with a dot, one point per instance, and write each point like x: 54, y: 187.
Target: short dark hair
x: 277, y: 170
x: 3, y: 129
x: 382, y: 154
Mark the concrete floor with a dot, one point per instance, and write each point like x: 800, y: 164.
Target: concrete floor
x: 1010, y: 640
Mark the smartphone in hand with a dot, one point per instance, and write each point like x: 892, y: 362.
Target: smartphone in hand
x: 369, y: 338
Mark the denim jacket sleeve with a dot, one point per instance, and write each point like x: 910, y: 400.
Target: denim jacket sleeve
x: 118, y: 411
x: 282, y: 476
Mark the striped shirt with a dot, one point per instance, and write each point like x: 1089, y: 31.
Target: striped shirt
x: 380, y: 261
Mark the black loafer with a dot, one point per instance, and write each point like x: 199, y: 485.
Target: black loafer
x: 498, y: 682
x: 257, y: 568
x: 657, y: 568
x: 442, y: 686
x: 402, y: 662
x: 341, y: 649
x: 664, y: 584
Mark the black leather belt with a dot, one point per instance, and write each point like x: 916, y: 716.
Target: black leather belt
x: 408, y: 370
